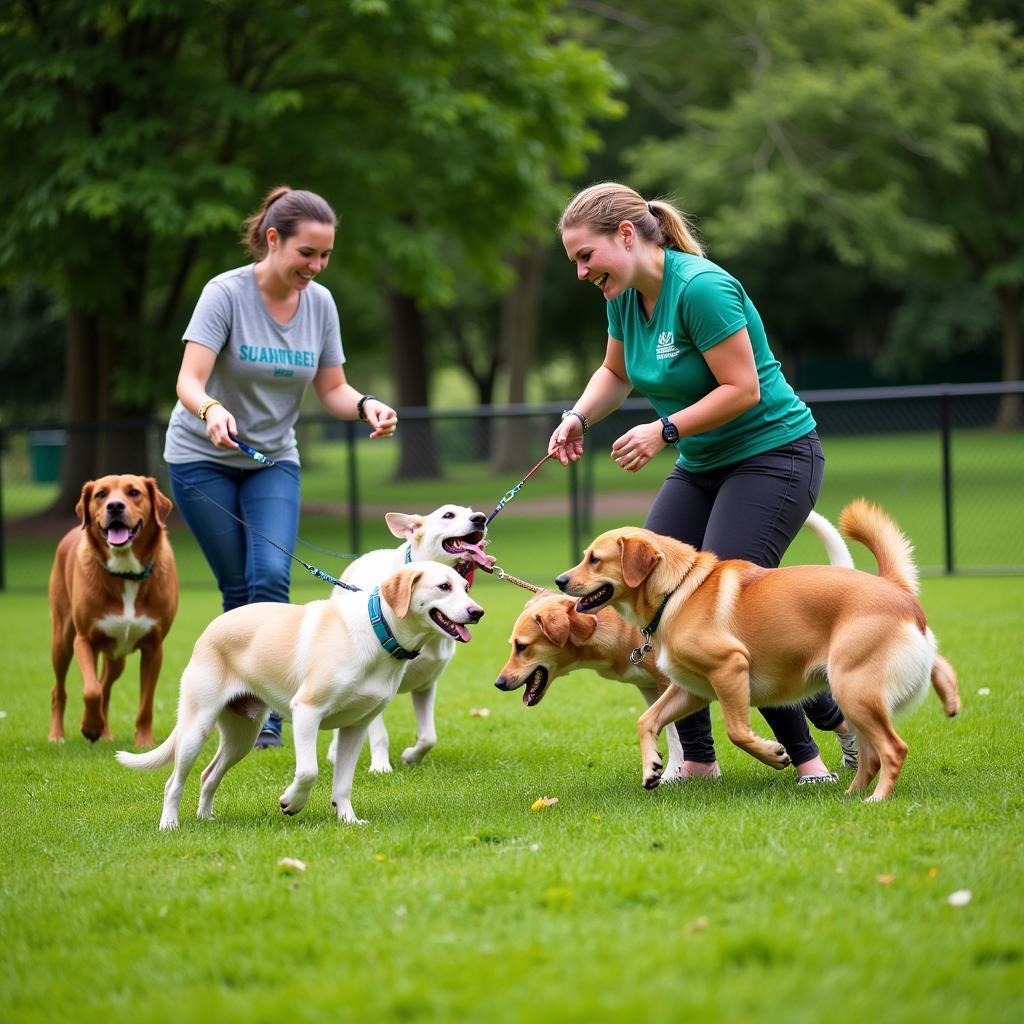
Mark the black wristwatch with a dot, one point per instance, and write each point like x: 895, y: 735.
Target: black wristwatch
x: 361, y: 412
x: 669, y: 431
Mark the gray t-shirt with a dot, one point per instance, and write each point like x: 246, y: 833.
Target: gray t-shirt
x: 262, y: 370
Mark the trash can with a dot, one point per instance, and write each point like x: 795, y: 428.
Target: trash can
x: 46, y: 452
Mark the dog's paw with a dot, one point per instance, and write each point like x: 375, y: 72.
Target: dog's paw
x: 777, y: 756
x: 168, y: 824
x: 293, y: 800
x: 347, y: 815
x: 380, y: 767
x: 413, y: 755
x: 653, y: 773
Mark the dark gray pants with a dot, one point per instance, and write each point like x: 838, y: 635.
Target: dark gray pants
x: 751, y: 510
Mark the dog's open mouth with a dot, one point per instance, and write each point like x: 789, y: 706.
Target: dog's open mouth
x: 595, y: 598
x: 471, y: 547
x: 453, y: 629
x: 536, y: 687
x: 117, y: 534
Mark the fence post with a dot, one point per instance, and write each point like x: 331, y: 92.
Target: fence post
x: 945, y: 418
x: 3, y: 539
x: 354, y: 525
x: 574, y: 513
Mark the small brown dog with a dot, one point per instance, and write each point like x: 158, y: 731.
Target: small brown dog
x: 550, y: 638
x: 113, y: 590
x: 745, y: 635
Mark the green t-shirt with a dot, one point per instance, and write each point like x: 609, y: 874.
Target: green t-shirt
x: 699, y: 306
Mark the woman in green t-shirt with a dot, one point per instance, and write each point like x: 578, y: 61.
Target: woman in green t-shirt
x: 684, y: 334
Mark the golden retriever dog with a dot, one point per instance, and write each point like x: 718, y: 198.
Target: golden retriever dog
x: 330, y: 664
x: 745, y: 635
x: 113, y: 590
x: 551, y: 638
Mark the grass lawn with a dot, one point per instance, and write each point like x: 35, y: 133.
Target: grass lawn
x: 743, y: 900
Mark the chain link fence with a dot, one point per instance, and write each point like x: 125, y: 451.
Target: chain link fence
x: 947, y: 462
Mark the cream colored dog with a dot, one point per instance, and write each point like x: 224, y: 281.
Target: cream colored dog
x: 452, y: 535
x: 745, y: 635
x: 551, y: 638
x: 330, y: 664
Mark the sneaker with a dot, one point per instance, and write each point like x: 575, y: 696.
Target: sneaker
x: 851, y: 757
x: 267, y: 738
x: 809, y: 780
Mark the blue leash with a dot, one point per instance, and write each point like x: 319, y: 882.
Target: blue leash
x: 258, y: 456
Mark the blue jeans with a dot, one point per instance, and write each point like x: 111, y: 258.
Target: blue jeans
x: 751, y: 510
x: 246, y: 567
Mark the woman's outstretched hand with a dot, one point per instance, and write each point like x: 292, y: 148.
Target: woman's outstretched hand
x: 638, y: 446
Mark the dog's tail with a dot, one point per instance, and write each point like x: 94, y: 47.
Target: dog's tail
x: 155, y: 758
x: 945, y: 685
x: 867, y: 523
x: 835, y: 547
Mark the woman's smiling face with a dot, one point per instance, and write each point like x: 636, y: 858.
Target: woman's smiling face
x: 297, y: 260
x: 601, y: 260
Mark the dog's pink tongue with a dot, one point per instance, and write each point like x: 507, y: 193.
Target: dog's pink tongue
x: 475, y: 553
x: 118, y: 535
x: 462, y: 631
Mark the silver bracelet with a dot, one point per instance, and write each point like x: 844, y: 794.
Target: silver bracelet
x: 582, y: 418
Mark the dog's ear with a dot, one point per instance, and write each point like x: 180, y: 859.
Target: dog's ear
x: 159, y: 502
x: 638, y: 560
x: 403, y: 526
x: 84, y: 501
x: 554, y: 624
x: 397, y: 590
x: 581, y: 626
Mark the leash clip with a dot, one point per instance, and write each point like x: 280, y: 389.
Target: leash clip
x: 639, y: 653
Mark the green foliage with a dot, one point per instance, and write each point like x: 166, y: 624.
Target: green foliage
x: 137, y: 136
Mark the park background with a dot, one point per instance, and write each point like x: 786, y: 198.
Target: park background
x: 857, y: 165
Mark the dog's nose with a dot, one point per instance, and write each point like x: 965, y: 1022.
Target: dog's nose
x: 115, y: 507
x: 562, y: 581
x: 476, y: 613
x: 501, y: 683
x: 478, y: 519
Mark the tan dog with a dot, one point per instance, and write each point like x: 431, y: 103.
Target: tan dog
x: 745, y: 635
x: 551, y: 638
x: 113, y: 590
x: 329, y: 664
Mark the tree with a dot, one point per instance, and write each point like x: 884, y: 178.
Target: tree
x: 895, y: 137
x: 138, y: 133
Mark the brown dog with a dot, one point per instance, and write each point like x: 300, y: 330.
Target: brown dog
x: 551, y: 638
x: 745, y: 635
x: 113, y: 590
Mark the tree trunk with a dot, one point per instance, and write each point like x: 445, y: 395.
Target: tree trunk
x: 1011, y: 407
x: 520, y: 314
x: 409, y: 344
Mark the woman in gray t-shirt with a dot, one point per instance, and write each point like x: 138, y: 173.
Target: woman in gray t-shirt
x: 258, y: 337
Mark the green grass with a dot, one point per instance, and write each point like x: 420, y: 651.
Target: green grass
x: 738, y: 901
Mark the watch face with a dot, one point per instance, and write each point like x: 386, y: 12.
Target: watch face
x: 669, y: 432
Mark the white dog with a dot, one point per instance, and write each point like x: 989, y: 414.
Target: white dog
x: 332, y: 664
x: 452, y: 535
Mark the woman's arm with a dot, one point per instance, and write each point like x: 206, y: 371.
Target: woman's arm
x: 607, y: 389
x: 340, y: 399
x: 197, y: 364
x: 732, y: 363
